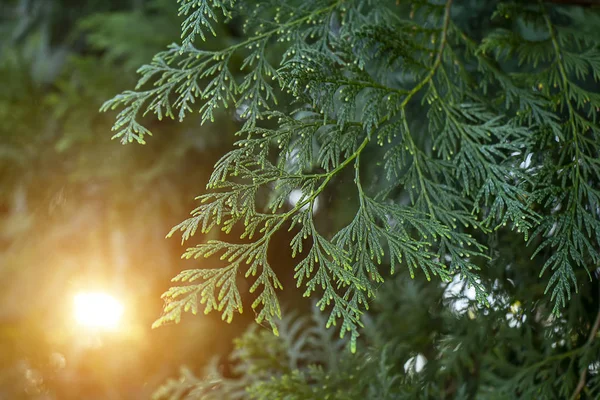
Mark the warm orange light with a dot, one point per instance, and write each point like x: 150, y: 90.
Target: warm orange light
x: 97, y: 310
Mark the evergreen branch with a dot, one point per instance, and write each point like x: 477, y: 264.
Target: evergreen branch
x: 255, y: 255
x: 340, y: 309
x: 340, y: 77
x: 571, y: 244
x: 199, y: 14
x: 565, y: 85
x: 182, y: 82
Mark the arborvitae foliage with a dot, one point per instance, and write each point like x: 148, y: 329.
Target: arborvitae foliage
x: 459, y: 142
x: 304, y: 345
x: 422, y: 344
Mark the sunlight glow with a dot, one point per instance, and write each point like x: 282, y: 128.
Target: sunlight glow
x: 97, y: 310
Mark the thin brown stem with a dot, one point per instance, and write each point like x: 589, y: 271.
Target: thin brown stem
x: 583, y: 374
x: 582, y: 3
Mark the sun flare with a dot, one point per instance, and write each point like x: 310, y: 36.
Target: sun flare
x: 97, y: 310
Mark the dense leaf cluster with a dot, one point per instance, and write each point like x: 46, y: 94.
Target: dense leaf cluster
x: 453, y: 138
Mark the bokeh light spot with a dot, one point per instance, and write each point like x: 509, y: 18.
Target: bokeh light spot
x: 97, y: 310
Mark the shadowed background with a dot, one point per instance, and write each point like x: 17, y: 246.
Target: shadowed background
x: 79, y: 212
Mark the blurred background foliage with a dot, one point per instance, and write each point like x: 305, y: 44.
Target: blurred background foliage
x: 81, y: 212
